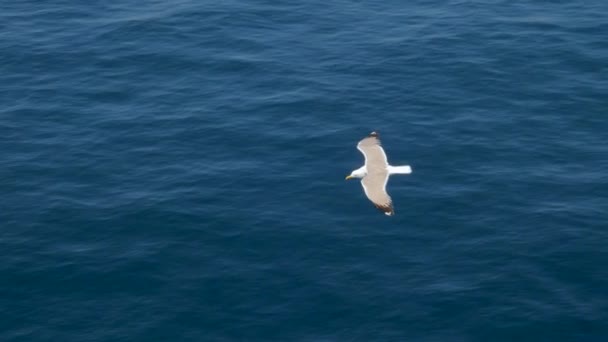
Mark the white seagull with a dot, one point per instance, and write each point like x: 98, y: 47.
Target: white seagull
x: 374, y: 174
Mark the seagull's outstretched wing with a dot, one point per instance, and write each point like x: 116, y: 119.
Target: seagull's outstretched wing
x: 374, y: 184
x: 372, y: 151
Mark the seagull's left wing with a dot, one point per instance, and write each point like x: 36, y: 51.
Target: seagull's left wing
x: 374, y: 186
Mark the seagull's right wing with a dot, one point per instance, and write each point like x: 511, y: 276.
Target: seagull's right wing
x: 375, y: 158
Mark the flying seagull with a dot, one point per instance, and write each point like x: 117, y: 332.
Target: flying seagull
x: 374, y: 174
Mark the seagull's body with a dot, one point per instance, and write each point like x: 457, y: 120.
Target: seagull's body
x: 374, y: 174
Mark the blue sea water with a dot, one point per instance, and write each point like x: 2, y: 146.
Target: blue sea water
x: 174, y: 171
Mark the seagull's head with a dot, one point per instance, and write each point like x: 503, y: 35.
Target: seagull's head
x: 358, y: 173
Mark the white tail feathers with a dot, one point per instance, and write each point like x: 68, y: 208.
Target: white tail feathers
x: 403, y: 170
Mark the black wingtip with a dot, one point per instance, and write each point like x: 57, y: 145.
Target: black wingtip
x: 386, y: 209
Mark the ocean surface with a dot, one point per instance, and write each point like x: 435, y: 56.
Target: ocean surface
x: 174, y: 170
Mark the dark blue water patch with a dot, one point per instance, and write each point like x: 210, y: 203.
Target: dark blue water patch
x: 176, y: 171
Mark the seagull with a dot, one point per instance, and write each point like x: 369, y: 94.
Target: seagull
x: 374, y: 174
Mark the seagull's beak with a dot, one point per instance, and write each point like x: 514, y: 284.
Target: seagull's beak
x: 349, y: 177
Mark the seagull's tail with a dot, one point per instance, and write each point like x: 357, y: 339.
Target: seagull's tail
x: 403, y: 170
